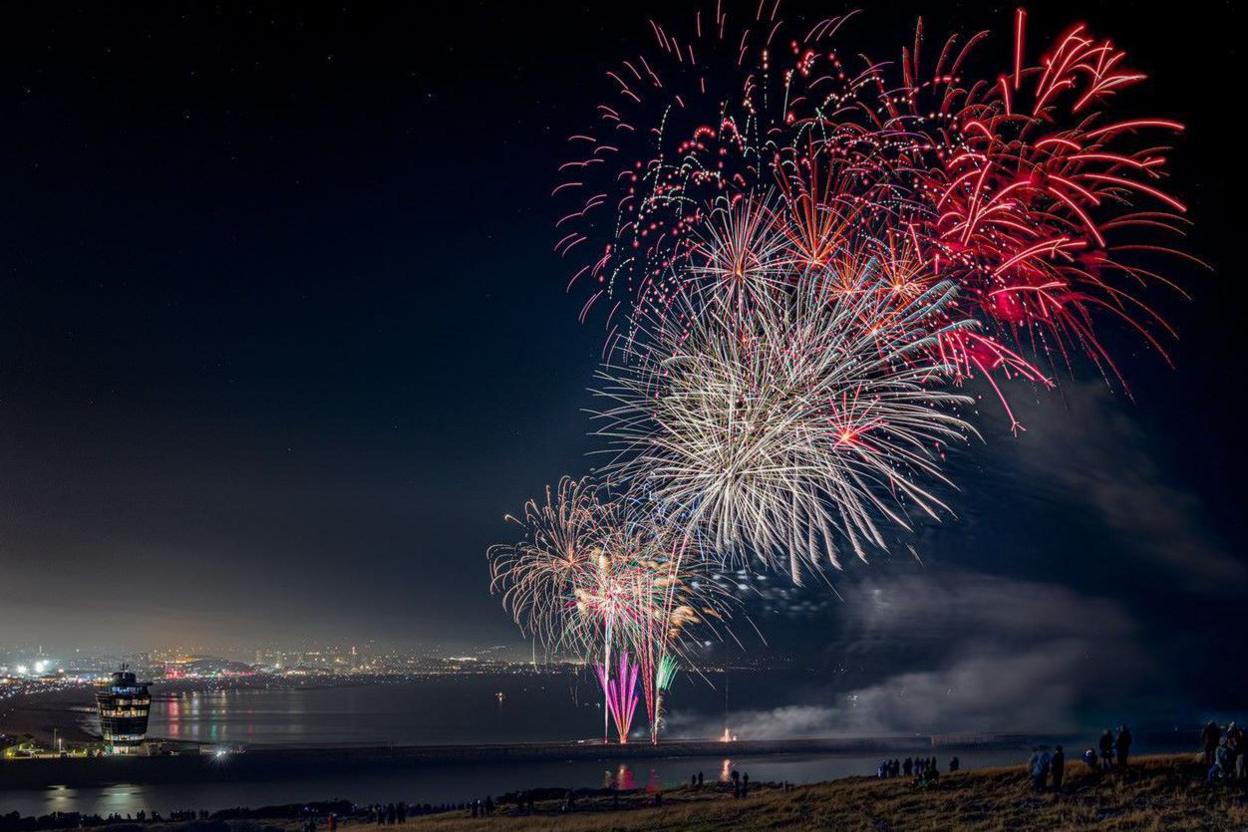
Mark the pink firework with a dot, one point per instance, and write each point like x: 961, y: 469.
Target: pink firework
x: 620, y: 693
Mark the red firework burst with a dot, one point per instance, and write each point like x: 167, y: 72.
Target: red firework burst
x: 1021, y: 185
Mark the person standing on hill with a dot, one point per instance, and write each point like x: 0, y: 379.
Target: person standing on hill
x: 1222, y: 767
x: 1059, y: 768
x: 1107, y: 750
x: 1235, y: 739
x: 1209, y: 737
x: 1123, y: 745
x: 1038, y: 767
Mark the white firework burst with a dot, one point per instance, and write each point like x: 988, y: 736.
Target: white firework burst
x: 742, y: 258
x: 592, y: 567
x: 815, y: 421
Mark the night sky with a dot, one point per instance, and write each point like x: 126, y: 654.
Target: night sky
x: 282, y: 338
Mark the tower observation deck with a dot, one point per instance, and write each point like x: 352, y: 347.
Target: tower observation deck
x: 124, y: 704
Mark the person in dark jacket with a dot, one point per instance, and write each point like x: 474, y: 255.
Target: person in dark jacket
x: 1123, y: 745
x: 1222, y: 763
x: 1209, y: 736
x: 1107, y: 750
x: 1058, y: 766
x: 1238, y: 742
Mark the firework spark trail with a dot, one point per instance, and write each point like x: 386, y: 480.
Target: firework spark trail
x: 621, y: 693
x: 812, y: 422
x: 741, y: 258
x: 805, y: 250
x: 537, y: 576
x: 651, y: 590
x: 596, y: 573
x: 1020, y: 185
x: 665, y: 675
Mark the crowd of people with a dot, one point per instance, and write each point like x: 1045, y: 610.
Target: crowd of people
x: 1044, y: 765
x: 1048, y: 768
x: 1111, y: 751
x: 925, y: 770
x: 387, y: 815
x: 1225, y: 752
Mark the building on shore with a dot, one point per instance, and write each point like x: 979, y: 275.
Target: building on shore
x: 124, y: 704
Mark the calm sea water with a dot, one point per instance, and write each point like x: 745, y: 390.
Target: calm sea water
x: 460, y: 782
x: 448, y: 709
x: 443, y: 710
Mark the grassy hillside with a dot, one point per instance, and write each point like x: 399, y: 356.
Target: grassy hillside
x: 1156, y: 793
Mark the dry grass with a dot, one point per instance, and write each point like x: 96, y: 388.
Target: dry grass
x: 1157, y: 793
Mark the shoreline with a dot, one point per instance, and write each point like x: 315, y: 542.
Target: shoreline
x: 41, y: 715
x: 1163, y: 791
x: 267, y: 763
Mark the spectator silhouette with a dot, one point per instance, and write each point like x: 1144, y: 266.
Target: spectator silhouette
x: 1107, y: 750
x: 1236, y: 740
x: 1123, y: 745
x: 1209, y: 737
x: 1223, y: 766
x: 1038, y: 768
